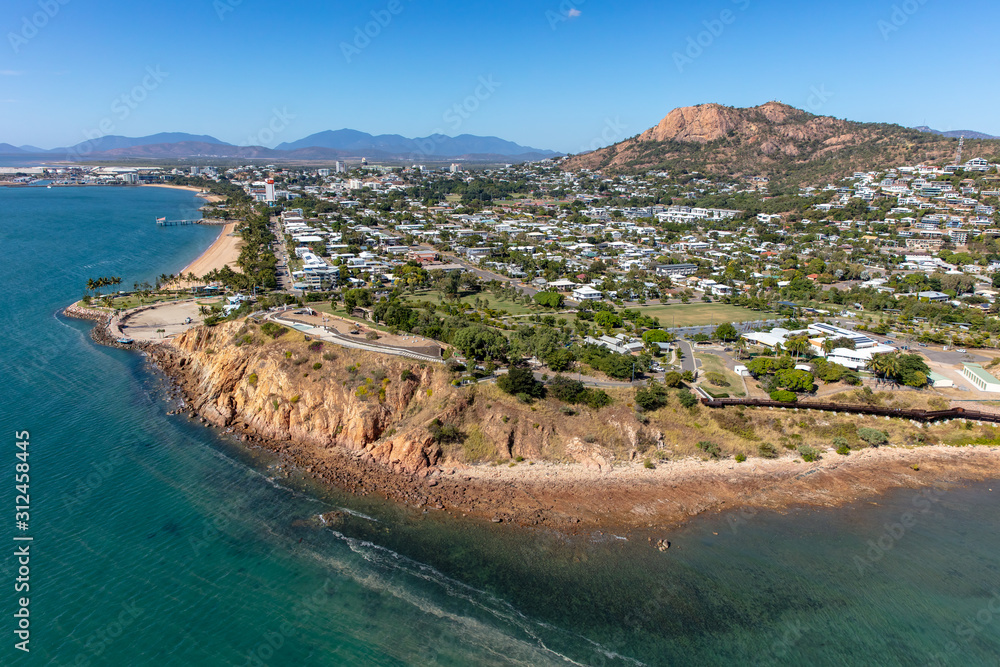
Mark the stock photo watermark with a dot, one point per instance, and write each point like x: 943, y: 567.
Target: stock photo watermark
x: 698, y: 43
x: 32, y: 24
x: 223, y: 7
x: 22, y: 540
x: 818, y: 97
x: 612, y: 131
x: 101, y: 639
x: 456, y: 115
x: 273, y: 640
x: 364, y: 34
x: 280, y: 119
x: 121, y: 108
x: 567, y: 11
x: 923, y: 502
x: 967, y: 630
x: 899, y: 17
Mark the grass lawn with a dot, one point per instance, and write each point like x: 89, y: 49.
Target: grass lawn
x: 695, y: 314
x: 711, y: 363
x: 470, y: 298
x: 126, y: 302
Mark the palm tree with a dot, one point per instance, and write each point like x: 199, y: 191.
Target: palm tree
x: 891, y: 367
x: 741, y: 346
x: 797, y: 345
x: 827, y: 346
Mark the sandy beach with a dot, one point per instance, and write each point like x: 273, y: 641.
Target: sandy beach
x: 211, y: 199
x: 223, y: 252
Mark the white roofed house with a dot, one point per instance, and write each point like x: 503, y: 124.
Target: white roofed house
x: 587, y: 293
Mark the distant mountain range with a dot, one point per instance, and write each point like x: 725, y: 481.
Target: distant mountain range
x: 329, y: 145
x: 787, y: 145
x: 955, y: 134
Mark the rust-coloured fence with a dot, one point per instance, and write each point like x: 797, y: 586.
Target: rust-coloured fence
x: 916, y: 415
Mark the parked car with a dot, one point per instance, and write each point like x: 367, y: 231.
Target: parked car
x: 961, y: 350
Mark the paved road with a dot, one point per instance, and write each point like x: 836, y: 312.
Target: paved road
x: 688, y: 363
x: 486, y: 274
x: 281, y: 252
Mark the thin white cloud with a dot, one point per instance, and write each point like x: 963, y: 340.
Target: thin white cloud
x: 574, y: 12
x: 10, y: 72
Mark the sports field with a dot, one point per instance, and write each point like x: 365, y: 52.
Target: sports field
x: 697, y: 314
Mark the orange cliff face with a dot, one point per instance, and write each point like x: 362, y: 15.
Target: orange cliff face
x: 381, y: 407
x: 773, y: 140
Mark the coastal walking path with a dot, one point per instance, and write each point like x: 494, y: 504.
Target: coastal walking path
x: 346, y: 334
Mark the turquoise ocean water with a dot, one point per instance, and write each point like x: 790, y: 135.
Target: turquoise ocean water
x: 161, y: 542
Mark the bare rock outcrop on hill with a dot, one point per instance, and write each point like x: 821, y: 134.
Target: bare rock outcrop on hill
x: 772, y: 140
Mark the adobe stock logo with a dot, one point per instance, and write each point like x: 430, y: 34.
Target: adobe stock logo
x: 900, y: 16
x: 30, y: 25
x: 699, y: 43
x: 363, y: 35
x: 121, y: 108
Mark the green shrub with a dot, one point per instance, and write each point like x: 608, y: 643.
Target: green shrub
x: 686, y: 398
x: 294, y: 399
x: 252, y: 379
x: 273, y: 329
x: 648, y: 464
x: 317, y: 366
x: 329, y: 356
x: 445, y: 432
x: 520, y: 381
x: 873, y: 436
x: 767, y: 451
x: 717, y: 379
x: 652, y: 397
x: 714, y: 393
x: 783, y: 396
x: 407, y: 375
x: 741, y: 457
x: 809, y: 454
x: 316, y: 346
x: 288, y: 354
x: 843, y: 450
x: 710, y: 448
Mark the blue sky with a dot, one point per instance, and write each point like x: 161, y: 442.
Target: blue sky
x: 561, y: 74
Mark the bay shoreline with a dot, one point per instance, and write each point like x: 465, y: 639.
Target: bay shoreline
x: 625, y: 498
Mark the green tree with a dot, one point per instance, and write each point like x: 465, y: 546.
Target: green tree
x: 794, y: 380
x: 480, y: 343
x: 521, y: 382
x: 726, y: 332
x: 549, y: 299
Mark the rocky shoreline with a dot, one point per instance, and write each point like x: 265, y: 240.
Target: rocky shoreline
x: 574, y: 498
x: 101, y: 332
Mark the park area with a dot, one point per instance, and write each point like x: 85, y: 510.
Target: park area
x: 700, y: 314
x: 437, y: 297
x: 696, y: 314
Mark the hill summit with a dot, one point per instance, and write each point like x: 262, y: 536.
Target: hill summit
x: 773, y: 140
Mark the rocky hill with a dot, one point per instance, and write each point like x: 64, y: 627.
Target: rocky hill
x: 774, y: 140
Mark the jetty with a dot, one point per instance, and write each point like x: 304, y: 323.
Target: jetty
x: 163, y: 222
